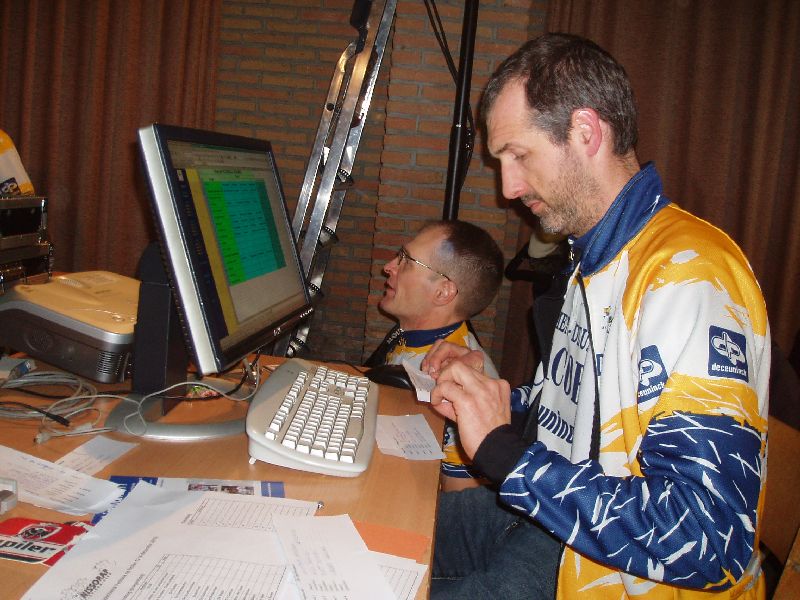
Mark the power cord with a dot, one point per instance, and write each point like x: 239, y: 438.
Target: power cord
x: 80, y: 399
x: 62, y: 411
x: 84, y: 396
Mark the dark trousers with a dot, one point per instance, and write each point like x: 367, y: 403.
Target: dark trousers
x: 485, y: 550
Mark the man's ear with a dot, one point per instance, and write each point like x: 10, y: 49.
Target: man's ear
x: 587, y: 130
x: 445, y: 293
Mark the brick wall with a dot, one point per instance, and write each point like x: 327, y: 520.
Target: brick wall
x: 275, y: 68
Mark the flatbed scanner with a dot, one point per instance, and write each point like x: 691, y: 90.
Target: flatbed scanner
x: 80, y: 322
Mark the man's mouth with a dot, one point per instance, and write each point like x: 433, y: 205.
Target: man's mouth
x: 531, y: 202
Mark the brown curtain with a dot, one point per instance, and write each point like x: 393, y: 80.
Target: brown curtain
x: 78, y: 79
x: 718, y: 89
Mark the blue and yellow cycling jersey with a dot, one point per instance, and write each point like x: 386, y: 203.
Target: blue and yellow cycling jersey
x: 664, y: 330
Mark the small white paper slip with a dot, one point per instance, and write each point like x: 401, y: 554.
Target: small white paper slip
x: 407, y: 437
x: 329, y: 559
x: 423, y: 382
x: 93, y: 456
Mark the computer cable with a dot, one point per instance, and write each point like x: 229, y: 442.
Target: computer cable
x: 84, y: 397
x: 251, y: 371
x: 12, y: 407
x: 47, y: 431
x: 62, y: 411
x: 81, y: 397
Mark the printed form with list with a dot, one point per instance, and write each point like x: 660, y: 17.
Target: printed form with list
x: 164, y: 544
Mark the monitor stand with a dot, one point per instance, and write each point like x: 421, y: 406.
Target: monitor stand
x: 129, y: 418
x: 160, y: 359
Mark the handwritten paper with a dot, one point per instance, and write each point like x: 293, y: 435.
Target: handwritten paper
x: 329, y: 559
x: 408, y: 436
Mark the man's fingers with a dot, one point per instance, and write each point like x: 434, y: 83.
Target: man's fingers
x: 462, y: 373
x: 443, y: 389
x: 478, y: 404
x: 475, y: 360
x: 446, y: 409
x: 440, y: 354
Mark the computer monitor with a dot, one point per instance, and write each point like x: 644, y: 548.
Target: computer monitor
x: 231, y: 282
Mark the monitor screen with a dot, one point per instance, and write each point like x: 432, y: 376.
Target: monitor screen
x: 227, y: 241
x: 224, y: 279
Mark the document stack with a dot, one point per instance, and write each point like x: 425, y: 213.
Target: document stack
x: 26, y: 256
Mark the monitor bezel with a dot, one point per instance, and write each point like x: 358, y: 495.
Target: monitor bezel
x: 197, y: 302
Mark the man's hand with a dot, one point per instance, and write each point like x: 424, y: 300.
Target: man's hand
x: 477, y: 403
x: 443, y: 353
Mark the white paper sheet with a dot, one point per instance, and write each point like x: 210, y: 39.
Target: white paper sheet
x: 49, y: 485
x: 423, y: 383
x: 179, y: 546
x: 95, y: 455
x: 330, y: 560
x: 408, y: 437
x: 403, y: 574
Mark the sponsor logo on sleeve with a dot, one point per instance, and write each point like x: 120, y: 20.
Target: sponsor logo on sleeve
x: 727, y: 353
x: 9, y: 187
x: 652, y: 374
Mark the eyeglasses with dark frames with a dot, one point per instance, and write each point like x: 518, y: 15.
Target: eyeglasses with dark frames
x: 402, y: 254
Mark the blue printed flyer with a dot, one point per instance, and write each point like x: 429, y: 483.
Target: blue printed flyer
x: 272, y: 489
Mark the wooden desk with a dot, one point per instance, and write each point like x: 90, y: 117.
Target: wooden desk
x: 392, y: 492
x: 789, y: 583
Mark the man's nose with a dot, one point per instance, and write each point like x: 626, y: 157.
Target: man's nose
x: 514, y: 185
x: 390, y: 267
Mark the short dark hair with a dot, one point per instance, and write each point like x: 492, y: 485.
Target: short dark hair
x: 562, y: 73
x: 472, y: 259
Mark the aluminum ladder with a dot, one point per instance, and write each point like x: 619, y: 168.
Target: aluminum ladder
x: 328, y: 173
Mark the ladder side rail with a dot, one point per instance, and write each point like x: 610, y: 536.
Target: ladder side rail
x: 331, y: 169
x: 318, y: 149
x: 354, y: 136
x: 326, y: 213
x: 329, y: 201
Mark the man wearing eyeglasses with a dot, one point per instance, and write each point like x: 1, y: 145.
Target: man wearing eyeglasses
x: 448, y: 273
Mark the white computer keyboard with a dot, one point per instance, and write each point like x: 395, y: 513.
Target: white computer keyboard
x: 313, y: 418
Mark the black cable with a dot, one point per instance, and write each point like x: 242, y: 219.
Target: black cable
x: 10, y: 404
x: 438, y: 32
x: 441, y: 38
x: 29, y: 392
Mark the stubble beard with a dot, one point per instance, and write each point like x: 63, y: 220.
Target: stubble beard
x: 569, y: 209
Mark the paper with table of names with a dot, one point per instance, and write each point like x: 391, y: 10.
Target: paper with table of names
x: 190, y: 545
x: 167, y: 544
